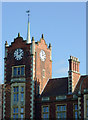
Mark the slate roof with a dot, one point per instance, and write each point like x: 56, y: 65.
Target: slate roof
x: 56, y: 87
x: 82, y: 84
x: 59, y: 86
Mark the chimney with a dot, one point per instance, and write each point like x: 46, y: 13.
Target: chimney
x: 73, y: 73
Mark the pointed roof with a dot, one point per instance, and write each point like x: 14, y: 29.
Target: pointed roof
x: 28, y: 34
x: 28, y: 30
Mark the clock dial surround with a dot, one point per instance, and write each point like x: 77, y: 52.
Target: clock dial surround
x: 18, y: 54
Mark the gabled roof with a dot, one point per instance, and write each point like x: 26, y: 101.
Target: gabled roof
x: 56, y: 87
x: 82, y: 84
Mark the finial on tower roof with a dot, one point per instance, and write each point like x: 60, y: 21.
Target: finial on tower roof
x: 6, y: 44
x: 28, y: 31
x: 32, y: 38
x: 42, y: 36
x: 18, y: 34
x: 28, y: 11
x: 49, y: 44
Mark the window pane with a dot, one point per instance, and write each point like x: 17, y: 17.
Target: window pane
x: 58, y: 115
x: 76, y: 114
x: 22, y: 96
x: 64, y: 107
x: 58, y: 108
x: 22, y: 110
x: 15, y: 71
x: 87, y: 111
x: 45, y: 109
x: 18, y: 70
x: 13, y: 116
x: 17, y: 89
x: 75, y: 107
x: 45, y: 115
x: 64, y: 115
x: 17, y: 97
x: 22, y: 70
x: 22, y: 89
x: 61, y: 111
x: 13, y: 110
x: 16, y: 110
x: 87, y: 102
x: 21, y: 115
x: 16, y: 115
x: 61, y: 108
x: 14, y: 97
x: 14, y: 89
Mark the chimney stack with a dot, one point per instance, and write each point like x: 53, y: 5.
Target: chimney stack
x: 74, y: 64
x: 73, y: 73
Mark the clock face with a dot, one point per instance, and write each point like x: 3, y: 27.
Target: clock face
x: 18, y: 54
x: 42, y: 55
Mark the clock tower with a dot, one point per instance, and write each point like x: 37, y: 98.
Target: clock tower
x: 28, y: 67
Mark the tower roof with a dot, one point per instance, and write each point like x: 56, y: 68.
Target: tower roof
x: 28, y: 29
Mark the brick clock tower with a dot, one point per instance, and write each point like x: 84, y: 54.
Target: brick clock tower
x: 28, y: 66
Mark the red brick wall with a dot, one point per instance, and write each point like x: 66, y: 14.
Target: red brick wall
x: 27, y: 61
x: 40, y: 65
x: 52, y: 107
x: 7, y: 101
x: 75, y: 77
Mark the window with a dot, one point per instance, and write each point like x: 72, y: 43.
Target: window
x: 18, y: 71
x: 15, y: 116
x: 60, y: 111
x: 75, y: 111
x: 45, y: 112
x: 87, y: 108
x: 15, y: 112
x: 43, y: 73
x: 16, y: 89
x: 16, y: 95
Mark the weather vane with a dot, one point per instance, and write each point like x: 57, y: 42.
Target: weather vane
x: 28, y: 11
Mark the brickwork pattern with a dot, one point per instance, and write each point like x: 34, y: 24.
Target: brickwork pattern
x: 47, y: 64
